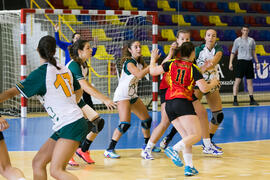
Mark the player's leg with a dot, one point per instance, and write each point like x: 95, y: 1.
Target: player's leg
x: 6, y: 169
x: 235, y: 91
x: 124, y: 110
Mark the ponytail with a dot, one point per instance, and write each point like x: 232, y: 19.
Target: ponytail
x: 73, y: 51
x: 47, y: 49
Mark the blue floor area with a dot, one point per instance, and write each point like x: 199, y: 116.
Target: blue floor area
x: 240, y: 124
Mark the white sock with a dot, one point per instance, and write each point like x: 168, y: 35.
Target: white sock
x: 188, y: 159
x: 149, y: 146
x: 180, y: 146
x: 21, y: 179
x: 207, y: 142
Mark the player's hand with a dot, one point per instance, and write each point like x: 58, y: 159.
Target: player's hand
x: 207, y: 65
x: 155, y: 55
x: 230, y: 67
x: 56, y: 27
x: 3, y: 124
x: 215, y: 82
x: 173, y: 46
x: 110, y: 104
x: 257, y: 66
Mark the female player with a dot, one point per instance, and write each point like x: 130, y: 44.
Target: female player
x: 80, y: 51
x: 183, y: 75
x: 9, y: 172
x: 59, y: 93
x: 208, y: 56
x: 133, y: 69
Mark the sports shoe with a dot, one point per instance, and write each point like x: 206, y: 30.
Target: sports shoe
x: 212, y: 150
x: 189, y: 171
x: 111, y: 154
x: 217, y: 147
x: 174, y: 156
x: 72, y: 162
x: 85, y: 156
x: 235, y: 103
x: 254, y: 103
x: 155, y: 149
x: 146, y: 155
x: 164, y: 143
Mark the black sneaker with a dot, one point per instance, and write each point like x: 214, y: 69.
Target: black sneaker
x: 235, y: 103
x: 253, y: 103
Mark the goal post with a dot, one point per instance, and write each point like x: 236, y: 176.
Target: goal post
x: 112, y: 28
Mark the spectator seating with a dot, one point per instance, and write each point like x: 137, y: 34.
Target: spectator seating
x: 164, y: 4
x: 216, y: 20
x: 234, y: 6
x: 178, y: 18
x: 102, y: 54
x: 72, y: 4
x: 113, y: 19
x: 261, y: 51
x: 100, y: 34
x: 168, y: 34
x: 126, y: 4
x: 145, y: 51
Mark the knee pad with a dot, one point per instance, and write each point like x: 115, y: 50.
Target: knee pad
x: 123, y: 127
x: 146, y: 124
x: 217, y: 118
x: 98, y: 125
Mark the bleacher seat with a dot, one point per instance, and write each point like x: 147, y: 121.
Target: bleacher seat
x: 224, y: 6
x: 85, y: 34
x: 203, y: 20
x: 166, y: 19
x: 238, y: 21
x: 72, y: 4
x: 202, y: 33
x: 212, y: 7
x: 261, y: 51
x: 229, y: 35
x: 166, y: 48
x: 247, y: 7
x: 267, y: 48
x: 145, y: 51
x: 168, y: 34
x: 58, y: 4
x: 86, y: 19
x: 151, y: 5
x: 113, y: 19
x: 97, y: 4
x: 251, y: 21
x: 266, y: 7
x: 192, y: 19
x: 195, y: 35
x: 234, y: 6
x: 71, y: 19
x: 128, y: 34
x: 102, y: 54
x: 85, y: 3
x: 216, y: 20
x: 100, y: 34
x: 139, y: 4
x: 227, y: 19
x: 178, y: 18
x: 113, y: 4
x: 177, y: 5
x: 164, y: 4
x: 226, y: 51
x: 257, y: 8
x: 200, y: 5
x: 126, y: 5
x: 160, y: 38
x: 189, y: 6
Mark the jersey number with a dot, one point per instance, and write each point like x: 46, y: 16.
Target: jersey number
x: 60, y: 81
x: 181, y: 73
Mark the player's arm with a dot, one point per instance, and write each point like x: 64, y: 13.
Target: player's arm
x: 87, y: 87
x: 137, y: 72
x: 3, y: 124
x: 10, y: 93
x: 171, y: 52
x: 78, y: 93
x: 154, y: 69
x: 63, y: 45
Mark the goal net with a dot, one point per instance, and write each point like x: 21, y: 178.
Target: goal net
x: 21, y: 31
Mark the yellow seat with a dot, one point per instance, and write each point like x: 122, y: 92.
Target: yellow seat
x: 202, y: 33
x: 261, y: 51
x: 178, y: 18
x: 145, y: 51
x: 234, y: 6
x: 102, y: 54
x: 166, y: 48
x: 114, y: 20
x: 163, y: 4
x: 168, y: 34
x: 216, y: 20
x: 268, y: 19
x: 71, y: 19
x: 125, y: 4
x: 100, y: 34
x: 72, y: 4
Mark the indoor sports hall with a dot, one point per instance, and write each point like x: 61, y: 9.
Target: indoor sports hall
x: 108, y: 25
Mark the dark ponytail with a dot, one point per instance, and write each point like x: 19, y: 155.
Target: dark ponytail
x: 186, y: 49
x: 73, y: 51
x: 47, y: 49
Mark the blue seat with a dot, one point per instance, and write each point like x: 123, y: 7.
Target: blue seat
x: 128, y: 34
x: 226, y: 19
x: 192, y: 19
x: 224, y: 6
x: 200, y: 5
x: 226, y: 51
x: 238, y: 21
x: 166, y: 19
x: 220, y: 35
x: 266, y: 7
x: 139, y: 4
x: 177, y: 5
x: 230, y: 35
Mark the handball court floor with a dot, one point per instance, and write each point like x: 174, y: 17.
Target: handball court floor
x: 244, y: 136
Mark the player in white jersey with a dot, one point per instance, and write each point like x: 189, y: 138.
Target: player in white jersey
x: 59, y: 93
x: 133, y: 69
x: 80, y: 51
x: 208, y: 56
x: 6, y: 169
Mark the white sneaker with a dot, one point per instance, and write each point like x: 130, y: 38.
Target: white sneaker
x: 212, y: 150
x: 146, y: 155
